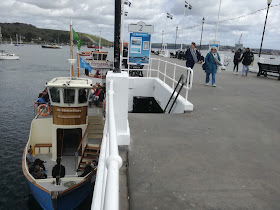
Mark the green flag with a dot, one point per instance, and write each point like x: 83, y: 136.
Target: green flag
x: 76, y: 37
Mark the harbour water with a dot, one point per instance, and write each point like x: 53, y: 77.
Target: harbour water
x: 21, y: 81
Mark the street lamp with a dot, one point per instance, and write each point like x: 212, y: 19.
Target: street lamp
x: 187, y: 6
x: 203, y: 21
x: 268, y: 5
x: 176, y: 36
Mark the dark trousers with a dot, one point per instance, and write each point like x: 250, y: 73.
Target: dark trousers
x: 235, y: 65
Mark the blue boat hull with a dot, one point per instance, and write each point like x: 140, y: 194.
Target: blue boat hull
x: 65, y: 201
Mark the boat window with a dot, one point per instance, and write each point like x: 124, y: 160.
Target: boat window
x: 83, y: 95
x: 55, y: 94
x: 104, y: 57
x: 95, y: 56
x: 99, y: 57
x: 69, y: 96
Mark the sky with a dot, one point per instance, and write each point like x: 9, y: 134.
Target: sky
x: 93, y: 16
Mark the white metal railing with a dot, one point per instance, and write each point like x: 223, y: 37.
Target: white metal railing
x: 162, y: 66
x: 106, y: 189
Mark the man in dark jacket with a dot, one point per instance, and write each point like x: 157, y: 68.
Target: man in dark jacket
x: 58, y: 169
x: 192, y: 56
x: 247, y: 58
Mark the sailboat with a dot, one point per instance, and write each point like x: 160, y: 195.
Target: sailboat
x: 18, y: 44
x: 4, y: 55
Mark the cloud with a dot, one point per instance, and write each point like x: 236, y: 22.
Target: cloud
x: 93, y: 16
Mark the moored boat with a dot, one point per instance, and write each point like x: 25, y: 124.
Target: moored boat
x: 51, y: 46
x: 60, y: 132
x: 8, y: 56
x: 98, y: 61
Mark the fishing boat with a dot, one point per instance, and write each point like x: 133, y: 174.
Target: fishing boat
x: 98, y: 61
x: 51, y: 46
x: 60, y: 131
x: 94, y: 46
x: 60, y: 157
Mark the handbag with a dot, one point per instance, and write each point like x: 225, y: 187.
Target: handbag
x: 204, y: 66
x: 219, y: 68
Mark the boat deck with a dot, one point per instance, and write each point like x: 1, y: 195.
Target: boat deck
x: 223, y: 155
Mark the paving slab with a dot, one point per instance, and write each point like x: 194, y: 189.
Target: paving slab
x: 223, y: 155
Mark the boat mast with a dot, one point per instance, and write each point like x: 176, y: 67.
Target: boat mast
x: 99, y: 40
x: 71, y: 47
x: 0, y: 36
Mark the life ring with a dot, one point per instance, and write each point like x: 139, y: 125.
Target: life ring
x: 41, y: 107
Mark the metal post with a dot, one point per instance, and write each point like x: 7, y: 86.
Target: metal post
x: 183, y: 30
x: 264, y: 26
x: 118, y: 6
x: 176, y: 36
x: 201, y: 34
x: 165, y: 73
x: 162, y: 40
x: 174, y: 77
x: 218, y: 20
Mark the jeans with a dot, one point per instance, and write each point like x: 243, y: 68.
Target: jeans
x: 213, y: 78
x: 245, y: 69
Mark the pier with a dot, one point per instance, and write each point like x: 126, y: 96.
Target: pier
x: 222, y: 155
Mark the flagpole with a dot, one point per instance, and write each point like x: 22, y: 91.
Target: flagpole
x: 78, y: 63
x: 71, y: 47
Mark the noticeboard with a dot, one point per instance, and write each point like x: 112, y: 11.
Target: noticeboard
x: 214, y: 44
x: 139, y: 48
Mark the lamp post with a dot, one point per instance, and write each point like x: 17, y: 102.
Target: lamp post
x: 187, y: 6
x: 203, y: 21
x: 268, y: 5
x: 218, y: 20
x: 117, y: 33
x: 176, y: 36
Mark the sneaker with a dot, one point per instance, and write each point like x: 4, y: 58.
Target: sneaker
x: 243, y: 75
x: 246, y: 74
x: 236, y: 73
x: 214, y: 85
x: 207, y: 84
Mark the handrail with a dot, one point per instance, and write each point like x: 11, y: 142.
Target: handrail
x: 178, y: 93
x: 106, y: 189
x: 173, y: 69
x: 181, y: 79
x: 81, y: 141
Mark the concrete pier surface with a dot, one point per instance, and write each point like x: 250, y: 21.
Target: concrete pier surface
x: 223, y: 155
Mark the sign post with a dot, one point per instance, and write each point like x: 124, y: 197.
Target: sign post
x: 139, y: 43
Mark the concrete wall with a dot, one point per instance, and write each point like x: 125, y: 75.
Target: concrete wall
x: 154, y: 87
x: 120, y: 97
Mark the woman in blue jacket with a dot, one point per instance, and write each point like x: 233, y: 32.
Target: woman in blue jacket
x: 212, y: 60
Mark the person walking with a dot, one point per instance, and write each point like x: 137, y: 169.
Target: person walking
x: 192, y: 56
x: 236, y: 61
x: 247, y: 58
x: 212, y: 61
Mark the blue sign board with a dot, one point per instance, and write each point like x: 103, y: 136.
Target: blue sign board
x: 139, y: 48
